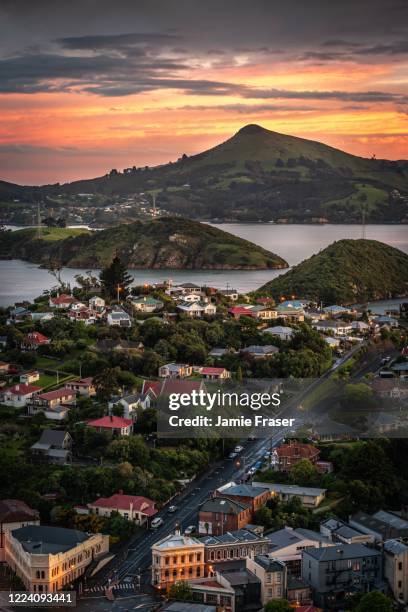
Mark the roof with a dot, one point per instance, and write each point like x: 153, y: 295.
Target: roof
x: 180, y: 386
x: 57, y: 394
x: 297, y: 450
x: 391, y: 519
x: 22, y: 389
x: 261, y: 350
x: 332, y: 324
x: 118, y: 501
x: 291, y: 489
x: 210, y: 370
x: 118, y: 315
x: 395, y: 547
x: 244, y: 490
x: 177, y: 540
x: 83, y: 382
x: 14, y: 510
x: 37, y: 338
x: 231, y: 537
x: 110, y: 422
x: 53, y: 437
x: 152, y: 385
x: 269, y: 564
x: 223, y: 505
x: 41, y: 540
x: 343, y: 551
x: 240, y: 310
x: 335, y: 308
x: 63, y: 299
x: 237, y: 578
x: 279, y: 329
x: 183, y: 606
x: 287, y: 536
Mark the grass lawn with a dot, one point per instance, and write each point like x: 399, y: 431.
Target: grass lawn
x: 47, y: 362
x: 59, y: 233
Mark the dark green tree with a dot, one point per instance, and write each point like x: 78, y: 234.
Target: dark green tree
x: 181, y: 591
x: 115, y: 278
x: 375, y: 602
x: 278, y: 605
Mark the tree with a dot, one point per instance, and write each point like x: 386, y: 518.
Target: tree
x: 304, y: 473
x: 106, y: 382
x: 375, y: 602
x: 181, y: 591
x: 115, y: 278
x: 278, y: 605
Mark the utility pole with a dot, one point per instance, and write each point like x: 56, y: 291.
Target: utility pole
x: 154, y: 205
x: 38, y: 222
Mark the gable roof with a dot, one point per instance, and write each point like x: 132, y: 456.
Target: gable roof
x: 22, y: 389
x: 110, y: 422
x: 14, y: 510
x: 119, y: 501
x: 244, y: 490
x: 57, y: 394
x: 223, y: 505
x: 53, y: 437
x: 342, y: 551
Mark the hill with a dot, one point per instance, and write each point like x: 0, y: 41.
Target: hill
x: 346, y: 272
x: 257, y: 175
x: 170, y: 243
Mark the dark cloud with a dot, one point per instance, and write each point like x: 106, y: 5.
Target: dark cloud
x: 247, y: 109
x: 118, y: 41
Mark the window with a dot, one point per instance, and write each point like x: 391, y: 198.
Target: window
x: 167, y: 560
x: 269, y: 592
x: 198, y: 556
x: 198, y: 572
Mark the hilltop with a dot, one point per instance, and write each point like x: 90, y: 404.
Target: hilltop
x: 346, y: 272
x: 169, y: 243
x: 256, y: 175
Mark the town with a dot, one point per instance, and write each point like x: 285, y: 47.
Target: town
x: 93, y: 499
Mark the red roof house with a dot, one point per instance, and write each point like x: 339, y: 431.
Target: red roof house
x: 153, y: 386
x: 114, y: 424
x: 240, y: 311
x: 62, y: 301
x: 290, y: 454
x: 133, y: 507
x: 18, y: 395
x: 35, y: 339
x: 214, y: 373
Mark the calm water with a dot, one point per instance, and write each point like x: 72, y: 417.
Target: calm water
x: 21, y: 280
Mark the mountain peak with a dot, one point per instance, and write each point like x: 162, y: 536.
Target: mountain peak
x: 251, y: 128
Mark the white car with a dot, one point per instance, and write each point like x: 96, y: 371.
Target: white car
x: 189, y: 530
x: 232, y: 455
x: 172, y: 509
x: 156, y: 523
x: 238, y: 449
x: 251, y: 471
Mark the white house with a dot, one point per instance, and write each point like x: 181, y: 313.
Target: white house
x: 146, y: 303
x: 334, y: 327
x: 97, y: 304
x: 175, y: 370
x: 197, y: 309
x: 119, y: 318
x: 131, y: 402
x: 134, y: 508
x: 18, y: 395
x: 283, y: 333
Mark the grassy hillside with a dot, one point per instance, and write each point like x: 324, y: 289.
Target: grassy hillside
x: 347, y: 271
x: 171, y: 243
x: 260, y: 175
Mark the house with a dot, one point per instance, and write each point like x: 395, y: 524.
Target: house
x: 188, y: 288
x: 250, y: 495
x: 41, y: 317
x: 290, y: 313
x: 54, y: 445
x: 264, y: 312
x: 360, y: 326
x: 83, y: 386
x: 220, y: 514
x: 247, y: 588
x: 315, y: 314
x: 334, y: 343
x: 62, y: 301
x: 396, y: 568
x: 233, y: 546
x: 283, y: 333
x: 219, y: 352
x: 29, y: 377
x: 134, y: 508
x: 335, y: 572
x: 189, y: 297
x: 146, y: 304
x: 197, y: 309
x: 171, y: 385
x: 394, y: 388
x: 382, y: 525
x: 272, y: 574
x: 311, y: 497
x: 119, y: 318
x: 54, y: 404
x: 387, y: 321
x: 297, y: 304
x: 177, y: 557
x: 14, y: 514
x: 339, y: 531
x: 230, y: 294
x: 335, y: 310
x: 34, y: 340
x: 131, y: 402
x: 108, y: 345
x: 241, y: 311
x: 116, y: 426
x: 97, y: 304
x: 84, y: 314
x: 260, y: 352
x: 290, y: 454
x: 19, y: 395
x: 400, y: 369
x: 49, y: 559
x: 19, y: 313
x: 334, y: 327
x: 287, y: 544
x: 211, y: 373
x: 175, y: 370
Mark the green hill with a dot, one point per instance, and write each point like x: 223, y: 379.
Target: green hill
x: 169, y: 242
x: 258, y: 175
x: 346, y: 272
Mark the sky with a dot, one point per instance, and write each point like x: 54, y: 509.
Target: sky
x: 90, y: 85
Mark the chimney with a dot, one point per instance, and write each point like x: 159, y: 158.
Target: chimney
x: 177, y: 529
x: 111, y: 417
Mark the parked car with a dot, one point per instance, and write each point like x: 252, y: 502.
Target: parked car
x: 232, y: 455
x: 189, y: 530
x: 156, y: 523
x: 172, y: 509
x: 238, y: 448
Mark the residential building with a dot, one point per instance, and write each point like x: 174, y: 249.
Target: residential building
x: 241, y: 311
x: 386, y: 320
x: 53, y: 403
x: 254, y: 496
x: 220, y: 514
x: 177, y: 557
x: 382, y: 525
x: 84, y: 314
x: 334, y: 343
x: 119, y: 318
x: 19, y: 395
x: 311, y: 497
x: 396, y: 568
x: 231, y: 294
x: 146, y: 303
x: 97, y: 304
x: 27, y: 378
x: 260, y: 352
x: 116, y: 426
x: 219, y: 352
x: 209, y: 592
x: 290, y: 454
x: 34, y: 340
x: 14, y: 514
x: 360, y: 326
x: 212, y: 373
x: 134, y: 508
x: 233, y: 546
x: 265, y: 313
x: 49, y: 559
x: 175, y: 370
x: 283, y: 333
x: 335, y: 310
x: 339, y: 531
x: 131, y: 403
x: 197, y: 309
x: 333, y: 326
x: 296, y: 315
x: 247, y: 588
x: 62, y: 301
x: 108, y: 345
x: 287, y: 544
x: 83, y: 386
x: 272, y: 574
x: 54, y: 445
x: 337, y: 572
x: 41, y: 317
